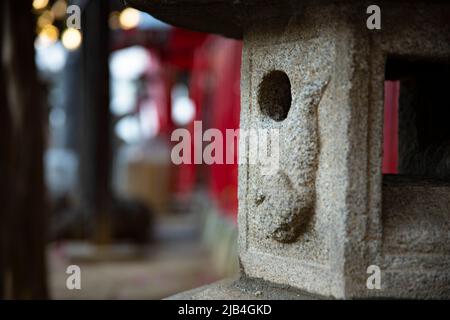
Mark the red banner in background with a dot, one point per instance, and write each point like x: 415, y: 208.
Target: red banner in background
x: 390, y: 130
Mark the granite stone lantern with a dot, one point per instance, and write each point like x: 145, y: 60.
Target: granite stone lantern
x: 316, y: 72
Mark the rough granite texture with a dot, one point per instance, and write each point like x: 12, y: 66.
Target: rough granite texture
x: 326, y: 215
x: 336, y: 162
x: 244, y: 289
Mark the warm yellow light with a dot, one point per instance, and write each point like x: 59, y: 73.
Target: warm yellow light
x: 71, y: 38
x: 45, y: 18
x: 40, y: 4
x: 48, y: 35
x: 59, y: 9
x: 113, y: 21
x: 129, y: 18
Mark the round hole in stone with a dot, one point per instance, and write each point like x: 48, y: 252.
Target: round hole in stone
x: 274, y: 95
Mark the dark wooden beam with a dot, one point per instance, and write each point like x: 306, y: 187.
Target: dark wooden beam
x: 22, y: 192
x: 95, y: 156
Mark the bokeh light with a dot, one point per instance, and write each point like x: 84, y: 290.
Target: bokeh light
x: 71, y: 38
x: 48, y: 35
x: 45, y: 19
x: 59, y: 9
x: 113, y: 20
x: 129, y: 18
x: 40, y: 4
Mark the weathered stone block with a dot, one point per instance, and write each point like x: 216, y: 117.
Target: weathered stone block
x: 326, y: 216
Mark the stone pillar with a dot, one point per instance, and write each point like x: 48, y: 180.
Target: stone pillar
x: 316, y: 73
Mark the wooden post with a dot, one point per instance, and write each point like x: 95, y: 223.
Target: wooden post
x: 95, y: 156
x: 22, y: 212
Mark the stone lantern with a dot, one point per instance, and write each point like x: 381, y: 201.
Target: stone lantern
x: 328, y: 217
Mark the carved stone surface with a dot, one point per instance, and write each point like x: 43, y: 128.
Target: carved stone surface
x: 326, y: 215
x: 284, y: 201
x: 301, y: 199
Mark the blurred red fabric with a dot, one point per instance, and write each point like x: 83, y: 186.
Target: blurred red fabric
x: 390, y: 130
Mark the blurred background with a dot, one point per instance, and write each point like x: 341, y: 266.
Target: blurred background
x: 102, y: 102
